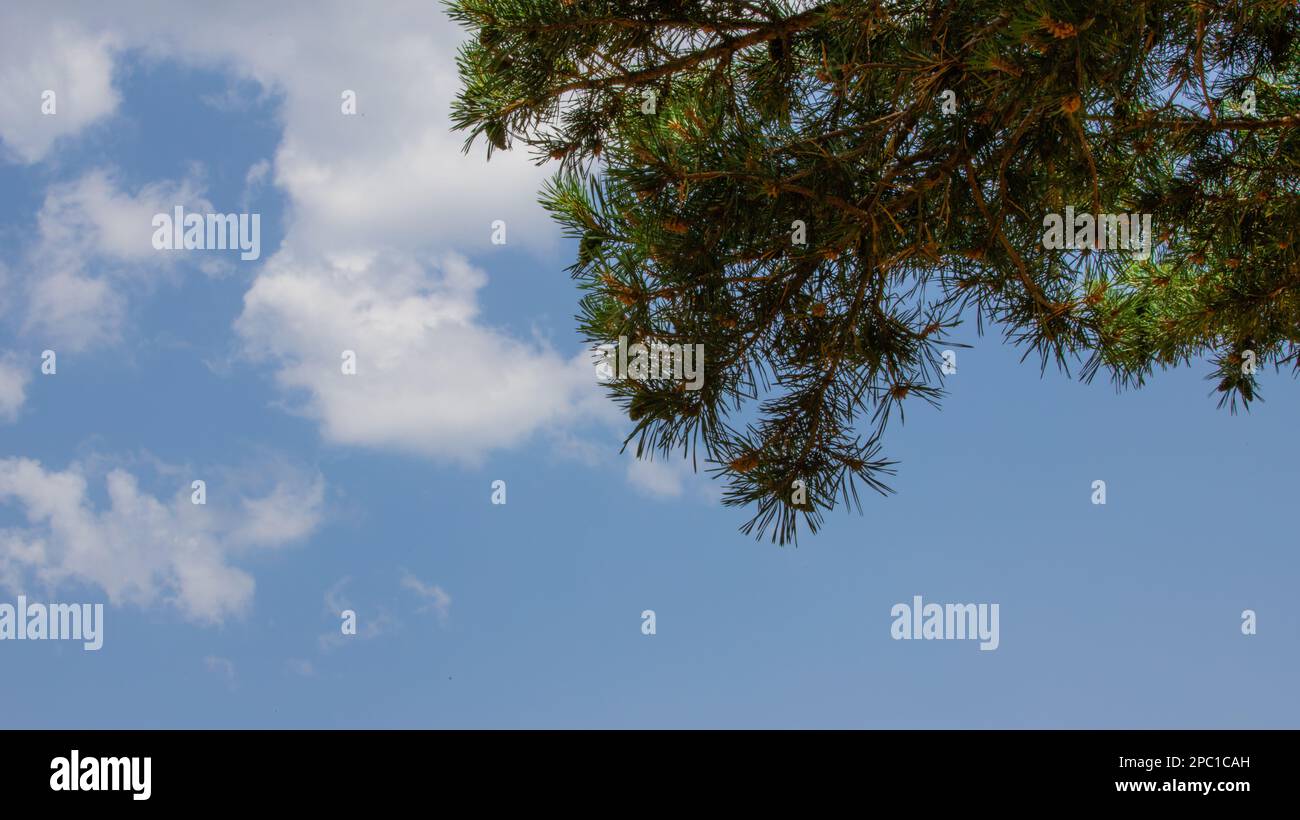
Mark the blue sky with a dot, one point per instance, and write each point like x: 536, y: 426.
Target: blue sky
x: 374, y: 493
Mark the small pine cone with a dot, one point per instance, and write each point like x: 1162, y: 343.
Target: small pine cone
x: 1061, y: 31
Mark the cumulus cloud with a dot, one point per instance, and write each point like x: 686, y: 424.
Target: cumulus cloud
x: 73, y: 311
x: 376, y: 203
x: 285, y: 515
x: 39, y: 52
x: 96, y: 213
x: 393, y: 174
x: 13, y: 386
x: 71, y: 303
x: 428, y: 377
x: 140, y: 549
x: 379, y: 206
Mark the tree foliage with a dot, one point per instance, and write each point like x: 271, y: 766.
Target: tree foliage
x: 918, y: 214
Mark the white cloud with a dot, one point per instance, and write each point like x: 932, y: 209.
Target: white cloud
x: 257, y: 177
x: 372, y: 622
x: 70, y: 311
x: 220, y: 666
x: 657, y: 478
x: 335, y: 603
x: 13, y: 386
x: 669, y: 477
x: 94, y: 213
x: 92, y: 219
x: 375, y: 202
x: 6, y: 278
x: 39, y: 51
x: 438, y: 600
x: 378, y: 206
x: 394, y: 174
x: 288, y: 513
x: 428, y: 377
x: 139, y: 549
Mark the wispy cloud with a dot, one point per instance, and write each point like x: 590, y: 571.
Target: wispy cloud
x: 372, y: 622
x: 224, y: 667
x: 437, y: 600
